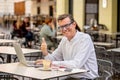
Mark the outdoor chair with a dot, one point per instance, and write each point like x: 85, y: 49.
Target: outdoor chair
x: 5, y: 76
x: 105, y: 69
x: 101, y: 52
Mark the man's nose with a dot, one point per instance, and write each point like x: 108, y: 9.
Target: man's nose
x: 64, y: 28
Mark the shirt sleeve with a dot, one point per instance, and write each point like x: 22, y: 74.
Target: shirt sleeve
x: 57, y: 54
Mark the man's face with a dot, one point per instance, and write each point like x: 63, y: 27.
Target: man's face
x: 67, y: 27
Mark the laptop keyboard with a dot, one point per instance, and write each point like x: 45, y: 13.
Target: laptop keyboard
x: 32, y: 63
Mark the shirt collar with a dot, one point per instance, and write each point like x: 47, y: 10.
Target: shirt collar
x: 75, y: 37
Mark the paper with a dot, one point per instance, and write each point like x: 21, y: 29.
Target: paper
x: 72, y: 70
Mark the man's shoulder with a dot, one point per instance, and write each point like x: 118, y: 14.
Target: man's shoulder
x: 83, y: 35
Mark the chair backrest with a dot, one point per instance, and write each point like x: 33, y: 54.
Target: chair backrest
x: 101, y: 52
x: 2, y: 35
x: 105, y: 69
x: 2, y: 60
x: 7, y: 36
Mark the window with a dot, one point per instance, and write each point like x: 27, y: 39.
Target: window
x: 51, y: 10
x: 38, y: 10
x: 118, y: 18
x: 70, y: 7
x: 91, y: 10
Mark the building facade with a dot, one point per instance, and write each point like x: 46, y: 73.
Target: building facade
x: 27, y: 7
x: 106, y: 11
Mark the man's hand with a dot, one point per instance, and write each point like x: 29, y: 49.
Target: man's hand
x: 44, y: 47
x: 39, y: 61
x: 46, y: 63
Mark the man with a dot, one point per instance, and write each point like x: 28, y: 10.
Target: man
x: 76, y: 50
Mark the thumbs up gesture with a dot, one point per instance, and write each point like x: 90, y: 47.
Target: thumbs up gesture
x: 44, y: 47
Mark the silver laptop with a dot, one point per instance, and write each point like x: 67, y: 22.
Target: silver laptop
x: 22, y: 58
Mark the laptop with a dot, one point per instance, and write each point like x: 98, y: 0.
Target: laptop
x: 22, y: 58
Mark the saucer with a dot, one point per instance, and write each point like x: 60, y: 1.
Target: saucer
x: 42, y: 69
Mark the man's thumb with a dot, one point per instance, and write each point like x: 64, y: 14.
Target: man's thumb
x: 43, y: 40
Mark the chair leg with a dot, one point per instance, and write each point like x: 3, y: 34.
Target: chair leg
x: 2, y: 58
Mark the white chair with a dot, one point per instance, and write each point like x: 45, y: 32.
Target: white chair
x: 8, y: 37
x: 5, y: 76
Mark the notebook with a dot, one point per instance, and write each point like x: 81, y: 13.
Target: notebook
x: 22, y: 58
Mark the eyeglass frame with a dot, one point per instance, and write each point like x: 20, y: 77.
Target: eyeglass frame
x: 65, y: 26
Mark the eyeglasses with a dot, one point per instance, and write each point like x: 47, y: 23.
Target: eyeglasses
x: 65, y: 26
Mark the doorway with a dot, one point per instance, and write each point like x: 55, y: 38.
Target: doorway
x: 51, y: 10
x: 118, y: 19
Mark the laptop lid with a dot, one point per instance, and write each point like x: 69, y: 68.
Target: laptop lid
x: 19, y: 53
x: 22, y: 58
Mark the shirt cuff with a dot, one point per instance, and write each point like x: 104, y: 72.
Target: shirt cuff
x: 56, y: 63
x: 47, y: 57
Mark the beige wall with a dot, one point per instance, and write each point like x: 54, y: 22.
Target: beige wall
x: 108, y: 15
x: 28, y: 5
x: 61, y: 7
x: 33, y: 8
x: 79, y: 12
x: 6, y: 7
x: 44, y: 7
x: 114, y: 15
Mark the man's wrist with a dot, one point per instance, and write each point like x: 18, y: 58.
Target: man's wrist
x: 45, y: 53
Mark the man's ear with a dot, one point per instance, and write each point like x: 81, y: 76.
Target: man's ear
x: 74, y: 23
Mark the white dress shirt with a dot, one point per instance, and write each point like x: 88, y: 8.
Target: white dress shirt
x: 77, y: 53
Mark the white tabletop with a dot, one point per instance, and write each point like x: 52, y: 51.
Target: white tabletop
x: 8, y: 50
x: 59, y: 33
x: 114, y: 49
x: 2, y: 34
x: 7, y: 41
x: 19, y: 69
x: 103, y: 43
x: 59, y: 37
x: 108, y: 33
x: 11, y: 50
